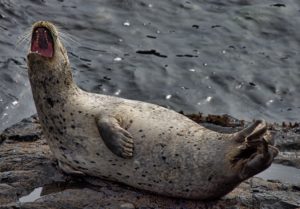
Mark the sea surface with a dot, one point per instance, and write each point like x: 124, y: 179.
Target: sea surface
x: 237, y: 57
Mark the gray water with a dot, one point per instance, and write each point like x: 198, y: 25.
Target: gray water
x: 282, y: 173
x: 236, y: 57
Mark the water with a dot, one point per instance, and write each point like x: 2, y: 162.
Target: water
x: 238, y: 57
x: 282, y: 173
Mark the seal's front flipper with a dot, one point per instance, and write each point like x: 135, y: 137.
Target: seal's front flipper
x: 116, y: 138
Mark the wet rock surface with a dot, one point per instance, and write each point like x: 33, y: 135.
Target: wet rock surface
x: 26, y: 165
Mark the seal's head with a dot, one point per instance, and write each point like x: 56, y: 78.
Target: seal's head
x: 46, y: 47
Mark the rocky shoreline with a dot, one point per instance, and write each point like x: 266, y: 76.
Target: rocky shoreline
x: 26, y: 163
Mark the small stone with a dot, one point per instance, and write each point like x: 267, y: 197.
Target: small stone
x: 127, y: 206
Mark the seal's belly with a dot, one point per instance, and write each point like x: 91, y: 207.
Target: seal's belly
x: 169, y: 157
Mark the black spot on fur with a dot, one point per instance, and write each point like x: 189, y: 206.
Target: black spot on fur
x: 81, y: 168
x: 210, y: 178
x: 77, y: 162
x: 97, y: 154
x: 162, y: 145
x: 140, y: 130
x: 50, y: 102
x: 72, y: 126
x: 62, y: 148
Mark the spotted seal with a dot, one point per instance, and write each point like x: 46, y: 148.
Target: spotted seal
x: 136, y: 143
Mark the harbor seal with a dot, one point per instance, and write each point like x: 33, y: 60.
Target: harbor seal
x: 139, y: 144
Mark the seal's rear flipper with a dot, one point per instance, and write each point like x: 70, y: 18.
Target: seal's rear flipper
x: 116, y: 138
x: 252, y: 133
x: 259, y: 160
x: 253, y: 150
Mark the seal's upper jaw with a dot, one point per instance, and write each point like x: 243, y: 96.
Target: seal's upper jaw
x: 43, y: 39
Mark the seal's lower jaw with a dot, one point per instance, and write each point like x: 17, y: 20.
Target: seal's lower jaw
x: 42, y: 42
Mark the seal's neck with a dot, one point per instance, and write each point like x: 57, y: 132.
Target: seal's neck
x: 49, y: 78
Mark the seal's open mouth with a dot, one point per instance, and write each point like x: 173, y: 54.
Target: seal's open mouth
x: 42, y: 42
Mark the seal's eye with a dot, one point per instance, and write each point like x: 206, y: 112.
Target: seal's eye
x: 42, y: 42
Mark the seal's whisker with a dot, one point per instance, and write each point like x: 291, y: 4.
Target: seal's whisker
x: 23, y: 43
x: 24, y: 38
x: 67, y: 37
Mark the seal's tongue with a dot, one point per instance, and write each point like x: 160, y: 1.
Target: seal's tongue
x: 42, y: 42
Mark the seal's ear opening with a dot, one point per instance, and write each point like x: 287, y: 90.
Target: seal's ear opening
x: 42, y: 42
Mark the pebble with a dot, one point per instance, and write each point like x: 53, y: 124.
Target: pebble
x: 127, y: 206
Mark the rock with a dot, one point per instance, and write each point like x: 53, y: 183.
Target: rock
x: 27, y: 165
x: 288, y: 141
